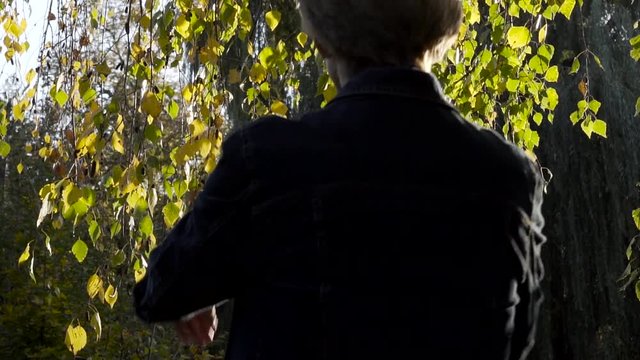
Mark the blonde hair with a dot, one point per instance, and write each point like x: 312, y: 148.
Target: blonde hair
x: 383, y: 31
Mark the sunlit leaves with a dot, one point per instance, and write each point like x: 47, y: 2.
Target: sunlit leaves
x: 267, y: 57
x: 151, y: 105
x: 117, y: 141
x: 636, y: 217
x: 600, y: 128
x: 61, y: 98
x: 302, y: 39
x: 183, y: 26
x: 637, y: 107
x: 273, y: 19
x: 552, y: 74
x: 575, y: 66
x: 111, y: 295
x: 173, y: 110
x: 94, y: 285
x: 75, y: 339
x: 146, y: 226
x: 635, y: 48
x: 80, y: 250
x: 279, y: 108
x: 171, y: 212
x: 26, y: 254
x: 5, y: 149
x: 258, y: 74
x: 567, y: 8
x: 518, y: 36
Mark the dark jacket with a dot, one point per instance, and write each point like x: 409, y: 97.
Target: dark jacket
x: 384, y: 226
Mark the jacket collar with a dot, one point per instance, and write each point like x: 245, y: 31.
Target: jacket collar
x: 395, y: 81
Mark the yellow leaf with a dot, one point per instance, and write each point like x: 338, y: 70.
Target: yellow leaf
x: 302, y: 39
x: 31, y: 75
x: 151, y: 105
x: 182, y: 26
x: 197, y: 127
x: 210, y: 164
x: 273, y: 19
x: 20, y: 168
x: 111, y: 295
x: 76, y: 338
x: 187, y: 93
x: 139, y: 274
x: 234, y: 76
x: 16, y: 29
x: 204, y: 147
x: 278, y: 107
x: 258, y: 73
x: 25, y: 254
x: 94, y: 285
x: 118, y: 143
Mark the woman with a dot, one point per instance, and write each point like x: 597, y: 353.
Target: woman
x: 384, y: 226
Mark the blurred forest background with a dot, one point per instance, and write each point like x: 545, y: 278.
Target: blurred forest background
x: 113, y: 112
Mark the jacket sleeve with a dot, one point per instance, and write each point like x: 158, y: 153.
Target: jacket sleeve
x: 196, y: 265
x: 528, y: 234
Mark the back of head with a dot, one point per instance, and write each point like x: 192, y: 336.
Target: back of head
x: 383, y: 32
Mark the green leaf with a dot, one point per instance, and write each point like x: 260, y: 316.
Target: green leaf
x: 94, y: 285
x: 518, y: 36
x: 273, y: 19
x: 553, y: 97
x: 80, y: 250
x: 598, y: 61
x: 89, y: 96
x: 61, y: 98
x: 94, y: 231
x: 75, y: 339
x: 638, y: 290
x: 5, y: 149
x: 567, y: 8
x: 25, y: 254
x: 96, y: 323
x: 146, y: 226
x: 171, y: 212
x: 637, y: 109
x: 594, y: 105
x: 552, y: 74
x: 575, y: 67
x: 512, y: 85
x: 173, y: 110
x: 118, y: 258
x: 152, y: 133
x: 636, y: 217
x: 600, y: 128
x: 537, y: 118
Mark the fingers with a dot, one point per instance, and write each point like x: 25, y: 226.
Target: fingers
x: 198, y: 329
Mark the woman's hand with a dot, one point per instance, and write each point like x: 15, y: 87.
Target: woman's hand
x: 198, y: 328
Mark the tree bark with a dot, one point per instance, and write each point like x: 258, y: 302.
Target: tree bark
x: 590, y: 199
